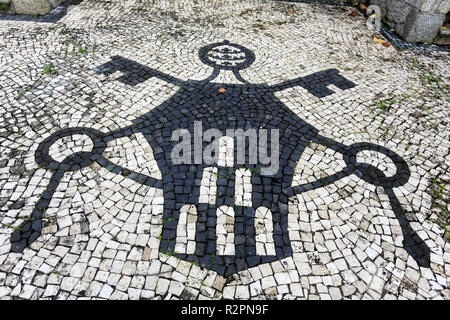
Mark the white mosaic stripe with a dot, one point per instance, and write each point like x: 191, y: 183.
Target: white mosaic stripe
x: 208, y: 187
x: 185, y: 241
x: 264, y: 232
x: 226, y: 152
x: 67, y: 146
x: 225, y: 231
x: 243, y: 188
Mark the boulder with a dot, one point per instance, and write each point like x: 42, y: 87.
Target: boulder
x: 414, y: 20
x: 39, y: 7
x: 422, y: 27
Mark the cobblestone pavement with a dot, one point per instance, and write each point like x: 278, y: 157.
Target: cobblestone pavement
x: 91, y: 206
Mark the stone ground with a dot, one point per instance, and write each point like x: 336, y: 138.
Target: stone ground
x: 90, y: 213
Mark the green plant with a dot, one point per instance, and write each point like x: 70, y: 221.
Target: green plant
x: 408, y: 145
x: 229, y: 280
x: 441, y: 187
x: 4, y: 6
x: 50, y: 69
x: 384, y: 133
x: 6, y: 225
x: 384, y: 105
x: 440, y: 202
x: 228, y: 176
x: 430, y: 79
x: 434, y: 83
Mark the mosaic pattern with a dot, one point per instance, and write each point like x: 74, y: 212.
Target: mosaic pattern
x: 93, y: 208
x: 224, y: 236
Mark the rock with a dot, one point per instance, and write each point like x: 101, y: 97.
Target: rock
x: 176, y: 288
x: 242, y: 292
x: 18, y: 246
x: 414, y: 21
x: 4, y: 291
x: 422, y: 27
x: 348, y: 290
x: 78, y: 270
x: 39, y: 7
x: 106, y: 292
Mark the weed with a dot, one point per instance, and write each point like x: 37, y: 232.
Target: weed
x: 50, y: 69
x: 434, y: 83
x: 229, y: 280
x: 408, y: 145
x: 440, y: 202
x: 384, y: 133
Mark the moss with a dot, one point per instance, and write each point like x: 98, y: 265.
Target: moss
x: 447, y: 235
x: 4, y: 6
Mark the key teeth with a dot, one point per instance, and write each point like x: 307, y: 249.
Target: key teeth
x: 225, y: 231
x: 225, y: 224
x: 186, y: 229
x: 265, y: 245
x: 225, y: 237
